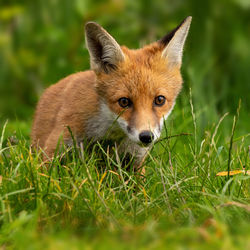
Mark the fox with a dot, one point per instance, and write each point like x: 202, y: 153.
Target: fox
x: 125, y: 96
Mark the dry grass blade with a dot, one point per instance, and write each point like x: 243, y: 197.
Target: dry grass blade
x: 237, y: 204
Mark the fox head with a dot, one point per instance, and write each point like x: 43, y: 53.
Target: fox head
x: 138, y: 87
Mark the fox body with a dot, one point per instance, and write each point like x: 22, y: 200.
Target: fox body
x: 126, y: 96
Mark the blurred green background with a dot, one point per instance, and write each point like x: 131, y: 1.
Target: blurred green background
x: 43, y: 41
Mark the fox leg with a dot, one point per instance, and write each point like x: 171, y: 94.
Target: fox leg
x: 54, y: 140
x: 139, y: 153
x: 139, y: 166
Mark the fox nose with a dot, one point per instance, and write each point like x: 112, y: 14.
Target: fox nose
x: 146, y: 137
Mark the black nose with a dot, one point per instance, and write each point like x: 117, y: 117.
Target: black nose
x: 146, y: 137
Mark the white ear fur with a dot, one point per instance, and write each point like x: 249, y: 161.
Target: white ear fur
x: 174, y: 49
x: 105, y: 52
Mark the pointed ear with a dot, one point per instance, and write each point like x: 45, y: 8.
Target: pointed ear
x: 174, y: 43
x: 105, y: 52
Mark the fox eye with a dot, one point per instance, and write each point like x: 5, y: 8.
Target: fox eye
x: 159, y: 100
x: 125, y: 102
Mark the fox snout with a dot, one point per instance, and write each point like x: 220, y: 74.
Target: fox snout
x: 146, y: 137
x: 142, y: 137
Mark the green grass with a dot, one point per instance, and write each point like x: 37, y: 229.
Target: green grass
x: 88, y: 201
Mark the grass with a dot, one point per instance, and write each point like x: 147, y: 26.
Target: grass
x: 88, y: 200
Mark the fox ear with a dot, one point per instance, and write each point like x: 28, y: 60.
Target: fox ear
x: 105, y: 52
x: 174, y: 43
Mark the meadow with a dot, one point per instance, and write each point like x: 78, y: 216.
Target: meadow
x: 188, y: 199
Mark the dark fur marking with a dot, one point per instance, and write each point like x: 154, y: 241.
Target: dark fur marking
x: 167, y: 38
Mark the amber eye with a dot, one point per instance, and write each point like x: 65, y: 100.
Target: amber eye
x: 125, y: 102
x: 159, y: 100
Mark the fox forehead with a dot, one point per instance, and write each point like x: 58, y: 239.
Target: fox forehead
x: 143, y: 74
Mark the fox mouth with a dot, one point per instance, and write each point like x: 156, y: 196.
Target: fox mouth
x: 144, y: 145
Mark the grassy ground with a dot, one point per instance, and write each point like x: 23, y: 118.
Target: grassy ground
x: 88, y: 201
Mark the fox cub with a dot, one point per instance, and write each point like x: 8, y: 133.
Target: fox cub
x: 126, y: 96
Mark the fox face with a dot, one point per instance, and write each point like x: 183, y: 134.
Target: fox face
x: 137, y: 87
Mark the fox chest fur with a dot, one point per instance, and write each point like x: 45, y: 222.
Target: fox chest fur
x: 126, y: 96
